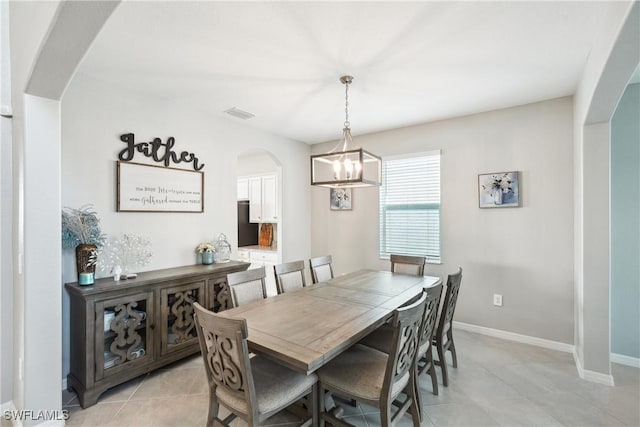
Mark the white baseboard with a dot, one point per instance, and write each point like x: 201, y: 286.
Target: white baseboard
x: 592, y: 376
x: 512, y: 336
x: 634, y: 362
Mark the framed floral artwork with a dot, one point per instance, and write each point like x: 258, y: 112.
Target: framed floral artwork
x: 499, y: 190
x: 340, y: 199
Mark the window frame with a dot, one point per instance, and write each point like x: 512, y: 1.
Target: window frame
x: 429, y: 260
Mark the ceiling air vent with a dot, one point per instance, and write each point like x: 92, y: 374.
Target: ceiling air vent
x: 236, y: 112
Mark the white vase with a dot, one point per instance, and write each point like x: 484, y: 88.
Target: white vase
x: 497, y: 197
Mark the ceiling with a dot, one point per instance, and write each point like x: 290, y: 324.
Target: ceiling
x: 412, y: 62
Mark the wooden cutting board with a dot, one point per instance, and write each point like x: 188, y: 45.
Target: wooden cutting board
x: 265, y: 237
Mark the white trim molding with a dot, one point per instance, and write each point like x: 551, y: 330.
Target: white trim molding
x: 512, y: 336
x: 634, y: 362
x: 592, y: 376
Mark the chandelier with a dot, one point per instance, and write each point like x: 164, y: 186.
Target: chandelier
x: 343, y: 166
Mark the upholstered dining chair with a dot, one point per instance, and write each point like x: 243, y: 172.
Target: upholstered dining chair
x: 380, y: 339
x: 443, y: 337
x: 407, y: 264
x: 377, y: 378
x: 252, y: 389
x: 247, y: 286
x: 321, y: 269
x: 289, y: 276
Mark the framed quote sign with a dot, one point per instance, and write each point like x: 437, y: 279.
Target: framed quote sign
x: 148, y: 188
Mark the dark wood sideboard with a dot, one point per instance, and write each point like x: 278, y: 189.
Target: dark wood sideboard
x: 122, y: 329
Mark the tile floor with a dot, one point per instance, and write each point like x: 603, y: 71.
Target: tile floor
x: 497, y: 383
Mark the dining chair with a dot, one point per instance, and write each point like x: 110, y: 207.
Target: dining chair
x: 321, y: 269
x: 289, y: 276
x: 247, y: 286
x: 376, y: 378
x: 443, y: 337
x: 380, y: 339
x: 252, y: 389
x: 425, y: 353
x: 407, y: 264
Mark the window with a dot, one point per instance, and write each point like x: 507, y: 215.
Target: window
x: 410, y: 206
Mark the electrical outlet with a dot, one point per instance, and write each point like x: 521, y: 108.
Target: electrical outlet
x: 497, y: 300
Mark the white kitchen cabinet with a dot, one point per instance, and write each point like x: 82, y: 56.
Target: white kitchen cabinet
x: 267, y: 260
x: 243, y: 255
x: 255, y: 199
x: 243, y: 188
x: 269, y: 199
x: 263, y: 198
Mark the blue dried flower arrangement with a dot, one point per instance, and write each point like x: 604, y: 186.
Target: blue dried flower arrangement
x: 81, y: 226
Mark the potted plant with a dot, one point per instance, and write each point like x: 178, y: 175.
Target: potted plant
x: 206, y: 250
x: 81, y: 230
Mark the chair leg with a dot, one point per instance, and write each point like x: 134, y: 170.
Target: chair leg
x: 417, y: 397
x: 452, y: 349
x: 443, y: 365
x: 429, y: 367
x: 214, y: 408
x: 434, y: 378
x: 385, y: 414
x: 416, y: 407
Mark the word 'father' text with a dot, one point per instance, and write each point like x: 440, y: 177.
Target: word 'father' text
x: 157, y: 150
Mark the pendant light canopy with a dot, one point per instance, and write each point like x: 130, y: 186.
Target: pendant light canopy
x: 344, y: 166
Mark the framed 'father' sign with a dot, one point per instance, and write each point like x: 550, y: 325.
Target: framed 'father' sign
x: 148, y: 188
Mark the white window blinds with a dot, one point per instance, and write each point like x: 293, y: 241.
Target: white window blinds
x: 410, y: 206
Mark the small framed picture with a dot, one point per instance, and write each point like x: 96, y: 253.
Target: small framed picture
x: 340, y: 199
x: 499, y: 190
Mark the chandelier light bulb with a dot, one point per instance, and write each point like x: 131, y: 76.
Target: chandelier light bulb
x: 358, y: 168
x: 336, y: 169
x: 348, y: 168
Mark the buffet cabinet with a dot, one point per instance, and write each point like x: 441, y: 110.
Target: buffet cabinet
x: 122, y: 329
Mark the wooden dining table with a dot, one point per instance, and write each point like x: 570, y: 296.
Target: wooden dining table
x: 306, y: 328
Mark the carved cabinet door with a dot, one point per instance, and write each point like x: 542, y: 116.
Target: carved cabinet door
x: 123, y: 333
x: 178, y: 329
x: 219, y: 296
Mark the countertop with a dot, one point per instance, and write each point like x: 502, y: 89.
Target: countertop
x: 259, y: 248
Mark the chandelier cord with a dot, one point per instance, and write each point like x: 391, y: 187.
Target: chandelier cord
x: 345, y: 141
x: 346, y: 105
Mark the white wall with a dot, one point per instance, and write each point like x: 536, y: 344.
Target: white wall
x: 255, y: 164
x: 6, y: 274
x: 29, y: 23
x: 95, y: 115
x: 525, y: 254
x: 606, y: 73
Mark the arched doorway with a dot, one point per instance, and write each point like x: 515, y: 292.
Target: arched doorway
x: 260, y: 207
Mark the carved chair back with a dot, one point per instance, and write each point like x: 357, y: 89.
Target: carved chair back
x: 449, y: 304
x: 404, y: 348
x: 289, y: 276
x: 407, y: 264
x: 430, y: 316
x: 223, y: 344
x: 321, y: 269
x: 247, y: 286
